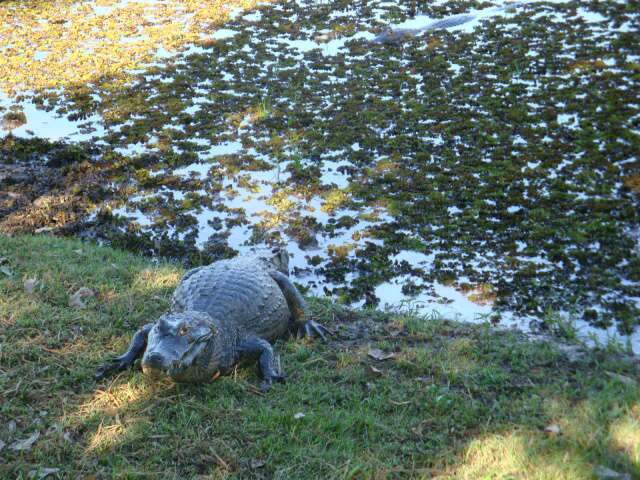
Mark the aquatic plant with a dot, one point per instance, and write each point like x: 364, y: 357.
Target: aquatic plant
x: 505, y: 156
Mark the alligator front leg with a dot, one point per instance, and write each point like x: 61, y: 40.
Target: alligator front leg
x: 269, y: 365
x: 136, y: 349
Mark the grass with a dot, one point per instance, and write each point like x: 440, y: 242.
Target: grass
x: 456, y: 401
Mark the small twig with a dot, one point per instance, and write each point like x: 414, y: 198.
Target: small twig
x: 14, y: 389
x: 314, y: 360
x: 221, y: 462
x: 253, y: 389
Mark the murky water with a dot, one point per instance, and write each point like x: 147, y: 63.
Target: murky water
x: 486, y: 171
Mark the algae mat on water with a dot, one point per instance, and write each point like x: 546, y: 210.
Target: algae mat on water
x: 497, y: 165
x: 449, y: 400
x: 66, y: 43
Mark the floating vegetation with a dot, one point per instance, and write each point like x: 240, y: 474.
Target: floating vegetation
x: 495, y: 164
x: 67, y: 43
x: 12, y: 120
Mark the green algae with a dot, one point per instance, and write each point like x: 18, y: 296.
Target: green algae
x: 516, y: 171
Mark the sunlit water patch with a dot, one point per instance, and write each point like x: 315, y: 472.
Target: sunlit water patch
x: 48, y: 124
x: 487, y: 171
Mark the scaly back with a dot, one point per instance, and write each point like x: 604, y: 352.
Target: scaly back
x: 239, y: 292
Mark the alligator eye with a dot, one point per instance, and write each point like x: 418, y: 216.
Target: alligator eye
x: 183, y: 331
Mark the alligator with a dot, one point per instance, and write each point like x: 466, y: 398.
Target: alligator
x: 222, y: 314
x: 395, y: 35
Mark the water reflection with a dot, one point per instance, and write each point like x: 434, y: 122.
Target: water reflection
x: 480, y: 170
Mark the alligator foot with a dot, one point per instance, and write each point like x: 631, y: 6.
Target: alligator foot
x: 113, y: 365
x: 313, y: 329
x: 268, y: 361
x: 127, y: 359
x: 268, y: 381
x: 271, y: 373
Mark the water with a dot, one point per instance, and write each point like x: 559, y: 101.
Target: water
x: 471, y: 171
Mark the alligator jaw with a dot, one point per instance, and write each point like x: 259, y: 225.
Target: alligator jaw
x: 153, y: 373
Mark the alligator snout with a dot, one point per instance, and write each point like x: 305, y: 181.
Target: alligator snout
x: 154, y: 360
x: 154, y: 364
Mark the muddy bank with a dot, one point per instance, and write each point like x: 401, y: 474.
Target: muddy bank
x: 65, y: 189
x: 47, y: 187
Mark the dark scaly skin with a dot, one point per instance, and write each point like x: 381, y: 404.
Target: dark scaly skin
x: 239, y: 290
x: 221, y: 314
x: 396, y: 35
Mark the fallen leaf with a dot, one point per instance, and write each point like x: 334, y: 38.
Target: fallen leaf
x: 605, y: 473
x: 299, y: 415
x: 78, y: 251
x: 394, y: 329
x: 219, y: 461
x: 393, y: 402
x: 257, y: 463
x: 378, y: 354
x: 2, y: 445
x: 622, y: 378
x: 373, y: 371
x: 11, y: 426
x: 553, y: 428
x: 30, y: 285
x: 25, y: 444
x: 43, y: 472
x: 7, y: 271
x: 76, y: 298
x: 54, y: 428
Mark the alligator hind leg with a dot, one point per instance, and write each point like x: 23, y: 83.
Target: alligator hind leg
x: 124, y: 361
x: 268, y: 361
x: 311, y: 328
x: 298, y: 308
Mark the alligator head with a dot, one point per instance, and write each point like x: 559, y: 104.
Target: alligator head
x: 180, y: 345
